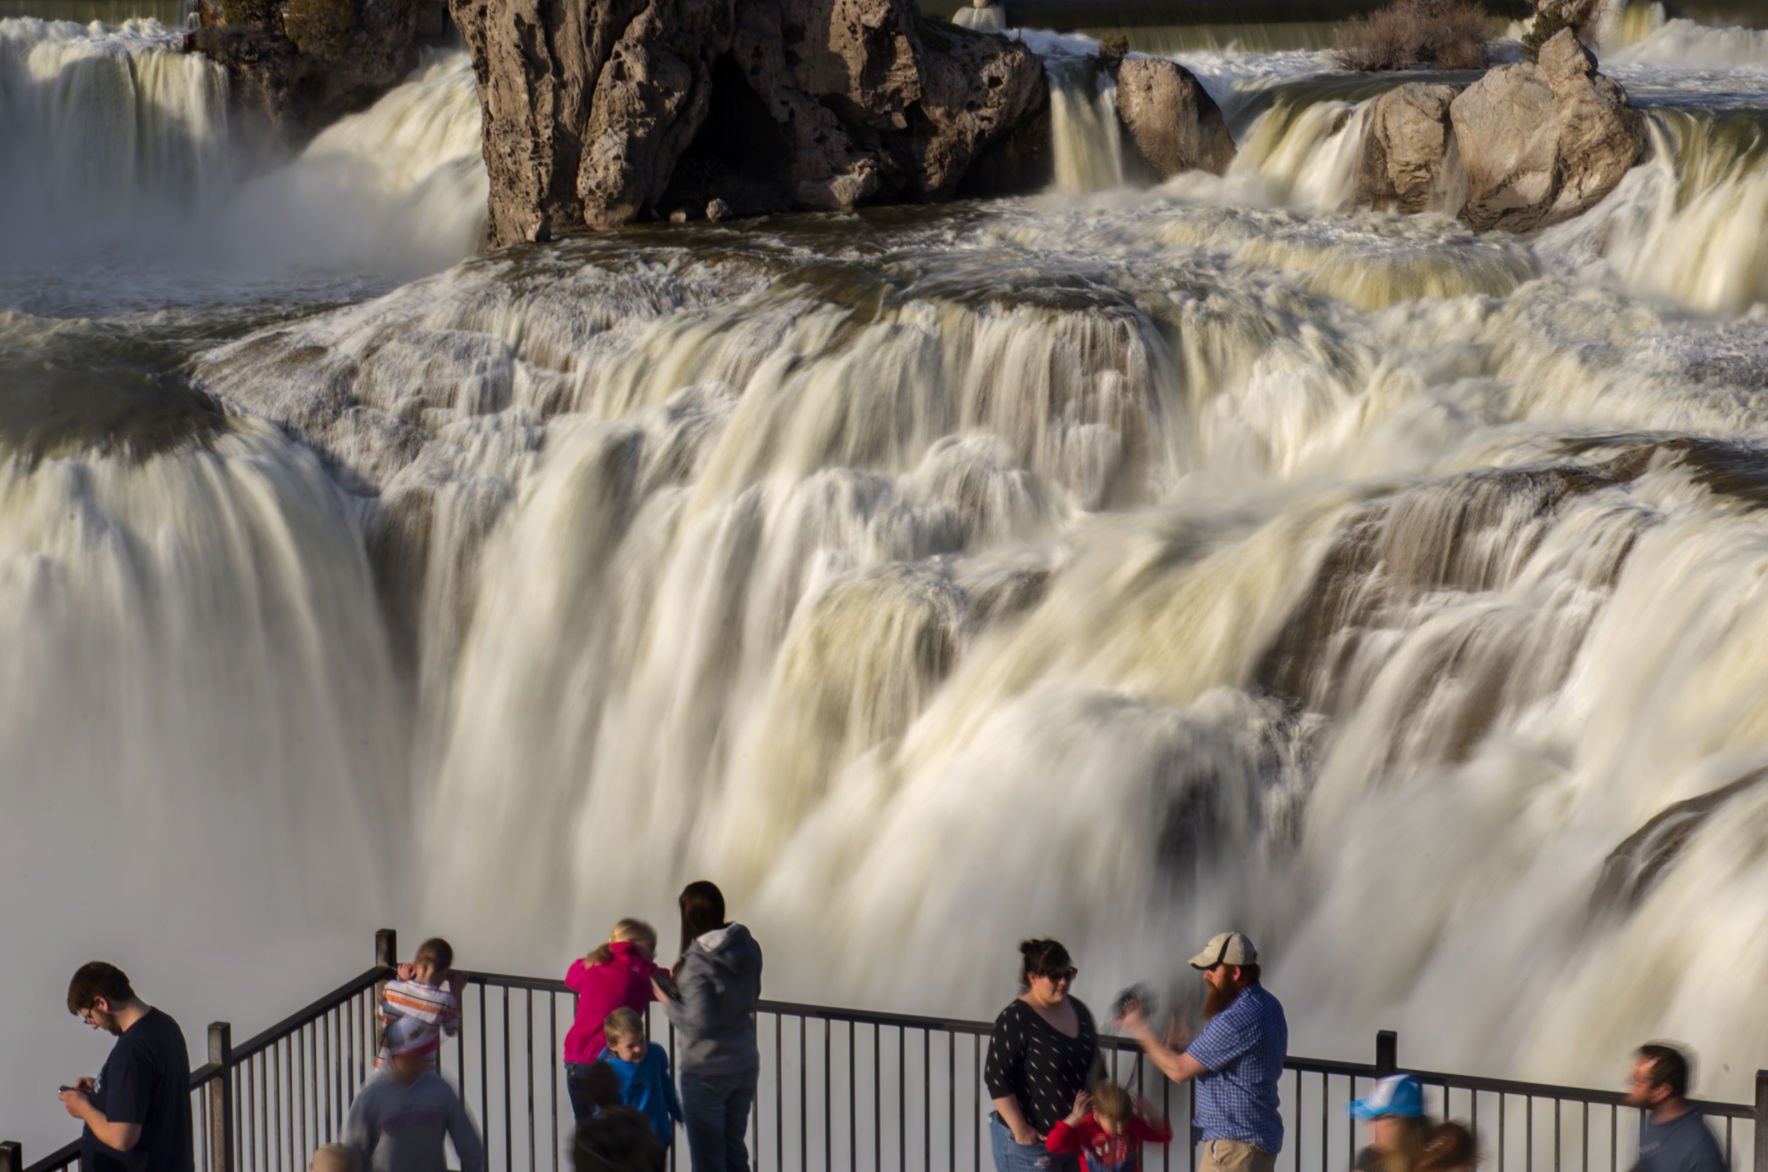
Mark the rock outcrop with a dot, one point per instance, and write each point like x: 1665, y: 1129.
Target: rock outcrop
x: 1170, y: 122
x: 1524, y: 147
x: 1403, y: 168
x: 599, y: 112
x: 1542, y: 143
x: 299, y: 68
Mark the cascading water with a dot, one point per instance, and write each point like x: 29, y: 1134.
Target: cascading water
x: 96, y: 122
x: 1118, y: 568
x: 1083, y: 127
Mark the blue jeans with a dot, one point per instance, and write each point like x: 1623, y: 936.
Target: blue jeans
x: 581, y: 1107
x: 715, y: 1112
x: 1011, y: 1156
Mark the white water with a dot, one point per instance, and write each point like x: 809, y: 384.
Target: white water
x: 117, y: 150
x: 199, y: 728
x: 1118, y: 565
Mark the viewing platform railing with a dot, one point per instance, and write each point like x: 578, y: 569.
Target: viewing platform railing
x: 840, y: 1089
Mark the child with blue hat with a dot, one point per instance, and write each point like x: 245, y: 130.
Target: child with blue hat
x: 1398, y: 1127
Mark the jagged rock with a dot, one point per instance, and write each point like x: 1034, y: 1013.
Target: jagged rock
x: 297, y: 93
x: 598, y: 112
x: 718, y: 211
x: 1404, y: 155
x: 1170, y: 120
x: 1542, y: 143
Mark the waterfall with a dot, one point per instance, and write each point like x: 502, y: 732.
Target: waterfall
x: 398, y: 190
x: 102, y: 128
x: 199, y: 721
x: 1084, y: 130
x: 1686, y: 223
x: 1232, y: 552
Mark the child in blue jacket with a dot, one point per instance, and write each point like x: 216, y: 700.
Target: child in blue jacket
x: 642, y: 1067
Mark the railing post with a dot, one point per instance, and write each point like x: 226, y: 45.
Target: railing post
x: 221, y: 1098
x: 12, y: 1156
x: 1762, y: 1121
x: 386, y: 948
x: 1387, y: 1052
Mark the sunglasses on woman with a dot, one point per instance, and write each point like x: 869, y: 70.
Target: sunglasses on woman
x: 1066, y: 974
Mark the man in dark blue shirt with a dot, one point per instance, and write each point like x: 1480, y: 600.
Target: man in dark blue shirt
x: 137, y: 1112
x: 1237, y: 1060
x: 1673, y: 1137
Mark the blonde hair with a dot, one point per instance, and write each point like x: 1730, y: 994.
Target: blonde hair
x: 337, y: 1158
x: 636, y: 931
x: 623, y: 1023
x: 1111, y: 1101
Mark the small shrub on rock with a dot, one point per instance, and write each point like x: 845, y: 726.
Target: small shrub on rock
x: 320, y: 28
x: 1416, y: 34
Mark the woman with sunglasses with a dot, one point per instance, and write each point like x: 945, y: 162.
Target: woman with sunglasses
x: 1043, y: 1052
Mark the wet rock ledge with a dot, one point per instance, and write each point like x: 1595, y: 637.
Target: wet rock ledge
x: 1525, y: 146
x: 599, y: 112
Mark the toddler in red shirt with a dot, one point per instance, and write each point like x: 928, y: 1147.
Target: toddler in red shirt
x: 1106, y: 1132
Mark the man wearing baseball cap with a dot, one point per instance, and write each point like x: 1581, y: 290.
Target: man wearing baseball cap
x: 1237, y: 1059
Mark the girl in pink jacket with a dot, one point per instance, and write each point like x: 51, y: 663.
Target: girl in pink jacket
x: 616, y: 974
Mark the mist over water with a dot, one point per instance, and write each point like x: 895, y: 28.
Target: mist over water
x: 1114, y: 564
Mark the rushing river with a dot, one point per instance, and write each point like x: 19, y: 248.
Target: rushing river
x: 1114, y: 564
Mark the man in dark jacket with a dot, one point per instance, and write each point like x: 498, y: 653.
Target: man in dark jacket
x: 137, y: 1111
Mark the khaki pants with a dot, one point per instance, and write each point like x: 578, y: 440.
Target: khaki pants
x: 1230, y: 1155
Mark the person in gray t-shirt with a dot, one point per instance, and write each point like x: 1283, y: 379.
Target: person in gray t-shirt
x: 402, y: 1114
x: 1673, y: 1136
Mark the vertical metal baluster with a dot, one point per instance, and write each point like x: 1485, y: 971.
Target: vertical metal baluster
x: 508, y: 1123
x: 803, y: 1094
x: 902, y: 1097
x: 528, y: 1013
x: 951, y: 1106
x: 484, y: 1070
x: 877, y: 1099
x: 1502, y: 1113
x: 779, y: 1082
x: 976, y: 1116
x: 552, y: 1025
x: 926, y: 1100
x: 852, y: 1098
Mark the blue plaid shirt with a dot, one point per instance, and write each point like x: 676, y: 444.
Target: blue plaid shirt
x: 1243, y: 1046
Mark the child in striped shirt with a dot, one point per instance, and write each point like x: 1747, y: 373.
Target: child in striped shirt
x: 426, y: 995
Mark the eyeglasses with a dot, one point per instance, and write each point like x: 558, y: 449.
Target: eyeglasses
x: 1066, y: 974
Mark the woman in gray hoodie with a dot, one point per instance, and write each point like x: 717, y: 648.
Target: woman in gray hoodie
x: 717, y: 982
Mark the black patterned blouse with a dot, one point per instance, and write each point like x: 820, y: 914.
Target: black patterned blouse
x: 1038, y: 1064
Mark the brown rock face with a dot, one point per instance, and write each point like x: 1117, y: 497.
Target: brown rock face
x: 1403, y: 158
x: 1170, y: 121
x: 1542, y: 143
x: 597, y: 112
x: 297, y: 91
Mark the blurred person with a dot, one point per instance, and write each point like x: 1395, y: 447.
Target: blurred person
x: 137, y: 1111
x: 1450, y: 1147
x: 1108, y: 1129
x: 1398, y: 1127
x: 335, y: 1158
x: 426, y: 994
x: 710, y: 998
x: 1673, y: 1136
x: 1236, y: 1060
x: 616, y: 1140
x: 403, y: 1113
x: 642, y: 1068
x: 614, y: 974
x: 1042, y: 1053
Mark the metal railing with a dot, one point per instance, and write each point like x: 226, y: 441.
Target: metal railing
x: 839, y: 1089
